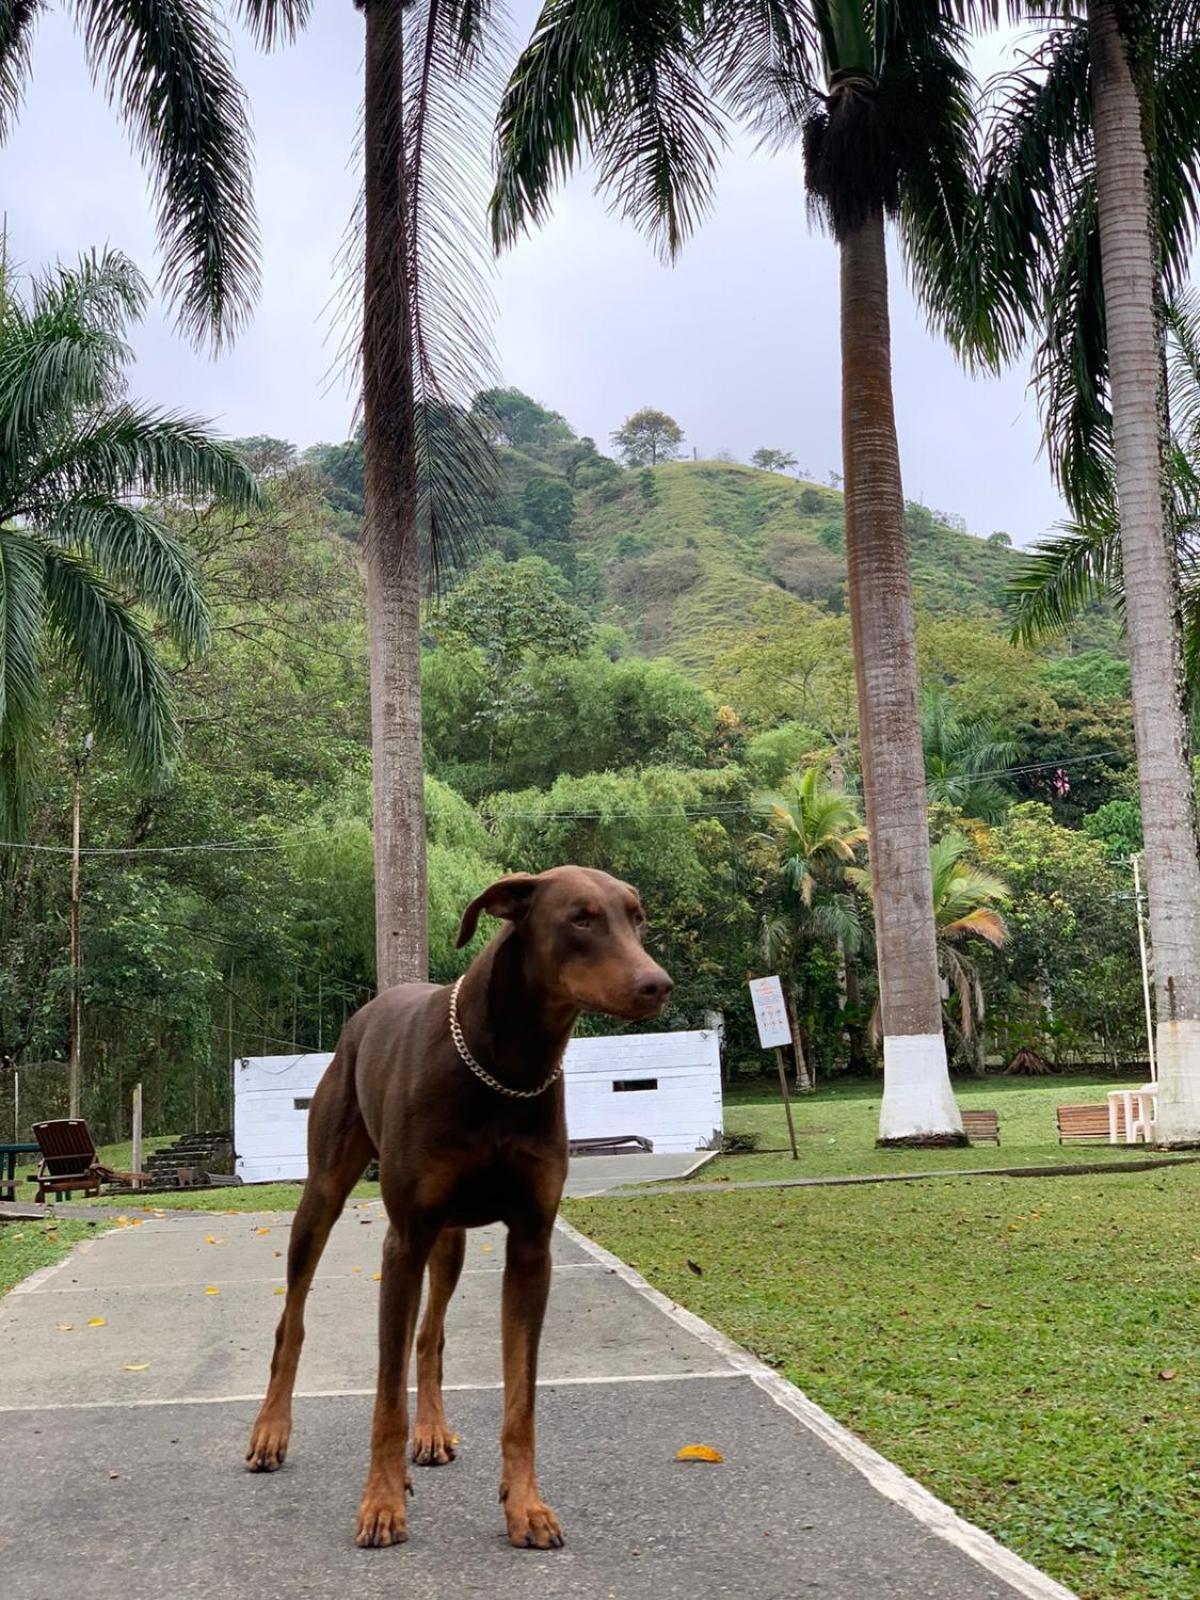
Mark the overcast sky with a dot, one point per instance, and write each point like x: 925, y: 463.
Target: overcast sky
x: 738, y: 340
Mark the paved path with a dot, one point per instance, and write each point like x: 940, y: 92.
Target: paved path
x: 128, y: 1484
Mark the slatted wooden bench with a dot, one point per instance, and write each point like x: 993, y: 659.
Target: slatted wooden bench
x: 1087, y: 1124
x: 617, y: 1145
x: 982, y: 1127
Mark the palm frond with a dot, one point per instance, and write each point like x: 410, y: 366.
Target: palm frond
x: 621, y: 79
x: 129, y: 450
x: 165, y: 65
x: 763, y: 57
x: 1062, y: 576
x: 274, y: 22
x: 983, y: 921
x: 62, y: 353
x: 17, y: 21
x: 125, y: 685
x: 136, y: 551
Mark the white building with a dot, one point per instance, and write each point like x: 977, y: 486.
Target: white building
x: 664, y: 1087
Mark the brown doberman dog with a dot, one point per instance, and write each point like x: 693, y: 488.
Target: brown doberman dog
x: 459, y: 1092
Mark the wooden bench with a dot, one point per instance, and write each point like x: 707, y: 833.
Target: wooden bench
x: 1087, y: 1124
x: 617, y: 1145
x: 982, y: 1127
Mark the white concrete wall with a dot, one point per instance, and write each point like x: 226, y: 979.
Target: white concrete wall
x: 676, y: 1104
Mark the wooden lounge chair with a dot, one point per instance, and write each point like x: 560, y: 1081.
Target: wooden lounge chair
x: 69, y: 1160
x: 982, y: 1127
x: 616, y: 1145
x: 1087, y: 1124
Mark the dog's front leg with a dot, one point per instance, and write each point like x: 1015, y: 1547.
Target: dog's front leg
x: 382, y: 1515
x: 531, y: 1523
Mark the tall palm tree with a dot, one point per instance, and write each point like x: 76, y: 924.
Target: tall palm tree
x: 166, y: 66
x: 1090, y: 204
x: 814, y: 830
x: 889, y: 134
x: 85, y: 556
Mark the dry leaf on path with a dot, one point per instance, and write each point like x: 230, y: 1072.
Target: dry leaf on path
x: 377, y: 1277
x: 65, y: 1327
x: 138, y: 1366
x: 258, y: 1232
x: 210, y: 1238
x: 211, y: 1288
x: 1167, y: 1375
x: 280, y: 1290
x: 97, y: 1322
x: 698, y: 1452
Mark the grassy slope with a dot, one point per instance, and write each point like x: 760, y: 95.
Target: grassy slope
x: 1025, y: 1348
x: 835, y: 1130
x: 713, y: 536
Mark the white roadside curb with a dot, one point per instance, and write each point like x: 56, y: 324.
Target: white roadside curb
x: 881, y: 1473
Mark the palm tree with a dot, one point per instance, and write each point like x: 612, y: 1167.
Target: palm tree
x: 813, y: 830
x: 888, y: 135
x: 1089, y: 208
x: 965, y: 903
x: 85, y: 556
x: 965, y: 758
x: 166, y: 65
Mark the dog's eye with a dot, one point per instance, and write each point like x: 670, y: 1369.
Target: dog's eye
x: 582, y: 919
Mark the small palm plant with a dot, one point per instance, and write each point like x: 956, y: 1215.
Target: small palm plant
x: 87, y: 562
x: 966, y: 756
x: 813, y: 830
x: 966, y: 905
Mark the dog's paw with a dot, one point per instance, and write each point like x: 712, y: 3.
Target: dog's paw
x: 532, y: 1525
x: 433, y: 1444
x: 268, y: 1443
x: 382, y: 1518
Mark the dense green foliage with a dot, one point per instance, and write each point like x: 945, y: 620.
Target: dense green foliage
x: 640, y: 656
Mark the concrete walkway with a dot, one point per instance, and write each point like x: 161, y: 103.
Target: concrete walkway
x: 122, y: 1443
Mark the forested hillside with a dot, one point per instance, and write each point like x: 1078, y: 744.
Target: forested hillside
x: 642, y: 658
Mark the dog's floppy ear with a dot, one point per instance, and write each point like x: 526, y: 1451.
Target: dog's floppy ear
x: 508, y: 897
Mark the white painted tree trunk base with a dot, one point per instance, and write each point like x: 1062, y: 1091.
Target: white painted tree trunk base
x: 918, y: 1102
x: 1177, y: 1119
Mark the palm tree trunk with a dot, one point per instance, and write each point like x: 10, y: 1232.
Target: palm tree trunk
x: 1130, y: 267
x: 804, y: 1077
x: 918, y: 1103
x: 391, y: 535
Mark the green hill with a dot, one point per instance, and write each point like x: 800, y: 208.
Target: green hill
x: 679, y: 553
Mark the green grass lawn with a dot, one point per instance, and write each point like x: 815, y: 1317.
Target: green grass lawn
x: 1028, y: 1349
x: 26, y: 1246
x: 836, y: 1128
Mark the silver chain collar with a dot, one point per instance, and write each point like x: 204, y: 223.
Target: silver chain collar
x: 484, y: 1076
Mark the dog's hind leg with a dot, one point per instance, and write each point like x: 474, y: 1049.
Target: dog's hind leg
x: 432, y: 1441
x: 339, y: 1149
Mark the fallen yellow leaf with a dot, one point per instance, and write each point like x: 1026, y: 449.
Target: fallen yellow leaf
x: 137, y: 1222
x: 260, y: 1231
x: 355, y: 1269
x: 122, y: 1221
x: 211, y: 1289
x: 97, y: 1322
x: 698, y: 1452
x: 488, y: 1248
x: 138, y: 1366
x: 376, y: 1277
x: 210, y: 1238
x: 280, y: 1290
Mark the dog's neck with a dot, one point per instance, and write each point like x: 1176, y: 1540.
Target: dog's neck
x: 512, y: 1024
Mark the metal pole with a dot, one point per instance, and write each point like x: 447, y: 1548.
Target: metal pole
x: 1137, y: 900
x: 787, y: 1103
x: 137, y: 1132
x: 16, y: 1106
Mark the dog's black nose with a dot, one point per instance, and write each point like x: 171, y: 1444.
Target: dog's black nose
x: 654, y: 986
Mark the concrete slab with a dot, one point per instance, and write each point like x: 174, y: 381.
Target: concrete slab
x: 144, y: 1468
x: 781, y: 1518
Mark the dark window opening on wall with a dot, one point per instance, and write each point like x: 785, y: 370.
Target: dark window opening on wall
x: 633, y: 1085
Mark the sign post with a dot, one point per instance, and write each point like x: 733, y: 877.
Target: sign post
x: 774, y: 1031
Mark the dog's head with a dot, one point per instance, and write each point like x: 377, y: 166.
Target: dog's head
x: 582, y: 934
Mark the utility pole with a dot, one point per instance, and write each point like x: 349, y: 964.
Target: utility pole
x: 74, y: 1073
